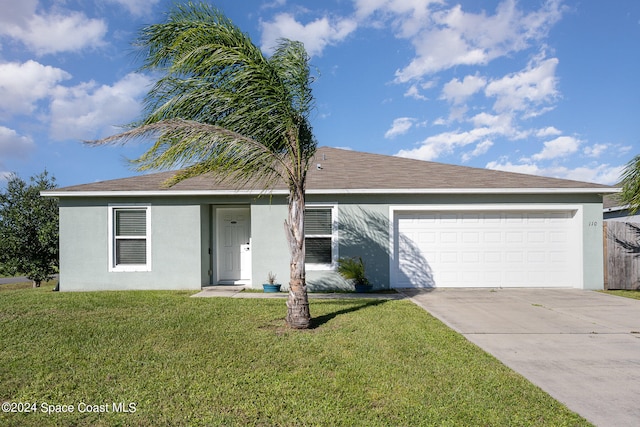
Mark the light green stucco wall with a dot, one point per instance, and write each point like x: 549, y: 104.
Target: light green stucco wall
x: 176, y: 259
x: 593, y: 253
x: 183, y: 234
x: 269, y: 250
x: 363, y: 231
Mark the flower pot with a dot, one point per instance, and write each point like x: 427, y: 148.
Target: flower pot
x: 362, y: 288
x: 271, y: 288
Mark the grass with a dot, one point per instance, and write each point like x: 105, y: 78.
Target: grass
x: 219, y: 361
x: 635, y: 294
x: 15, y: 286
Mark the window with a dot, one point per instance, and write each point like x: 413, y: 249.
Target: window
x: 129, y: 239
x: 319, y: 233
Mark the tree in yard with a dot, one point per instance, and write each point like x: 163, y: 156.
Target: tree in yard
x: 29, y: 228
x: 222, y: 106
x: 630, y: 194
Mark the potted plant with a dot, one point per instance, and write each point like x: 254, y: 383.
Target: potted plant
x: 271, y: 285
x: 352, y: 270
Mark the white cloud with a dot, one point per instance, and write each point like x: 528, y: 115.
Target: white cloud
x: 562, y: 146
x: 436, y: 51
x: 89, y: 111
x: 500, y: 124
x: 315, y: 35
x: 526, y: 89
x: 434, y: 146
x: 595, y: 150
x: 137, y: 7
x: 14, y: 145
x: 604, y: 174
x: 270, y: 5
x: 456, y: 91
x: 597, y: 173
x: 17, y: 12
x: 492, y: 120
x: 457, y: 113
x: 480, y: 149
x: 400, y: 126
x: 45, y: 33
x: 548, y: 131
x: 23, y: 84
x: 486, y: 126
x: 408, y: 16
x: 414, y: 92
x: 447, y: 38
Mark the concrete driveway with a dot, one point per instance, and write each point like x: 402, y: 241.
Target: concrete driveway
x: 581, y: 347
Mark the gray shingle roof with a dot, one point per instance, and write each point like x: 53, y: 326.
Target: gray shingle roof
x: 612, y: 201
x: 334, y: 169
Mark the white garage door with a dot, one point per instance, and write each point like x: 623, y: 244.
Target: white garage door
x: 486, y: 249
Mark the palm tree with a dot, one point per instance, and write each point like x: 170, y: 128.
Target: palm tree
x: 630, y: 194
x: 222, y: 106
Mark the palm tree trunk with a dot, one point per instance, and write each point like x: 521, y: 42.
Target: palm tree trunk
x: 298, y: 315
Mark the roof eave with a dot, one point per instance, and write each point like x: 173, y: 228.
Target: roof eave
x: 156, y: 193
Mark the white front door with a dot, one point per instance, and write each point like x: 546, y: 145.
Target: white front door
x: 234, y: 245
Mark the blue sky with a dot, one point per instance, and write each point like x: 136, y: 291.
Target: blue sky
x: 547, y: 87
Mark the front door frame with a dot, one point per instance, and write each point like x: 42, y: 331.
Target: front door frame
x: 244, y: 277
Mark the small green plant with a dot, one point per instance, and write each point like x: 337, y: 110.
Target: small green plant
x: 353, y: 269
x: 271, y: 278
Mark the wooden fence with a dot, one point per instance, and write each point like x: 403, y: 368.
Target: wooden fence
x: 621, y: 255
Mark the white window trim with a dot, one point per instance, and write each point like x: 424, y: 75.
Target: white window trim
x: 334, y: 237
x: 112, y: 267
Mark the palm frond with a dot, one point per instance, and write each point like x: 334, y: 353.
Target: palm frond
x: 221, y: 105
x: 200, y: 148
x: 631, y: 185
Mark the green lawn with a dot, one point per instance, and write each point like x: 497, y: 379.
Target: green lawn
x: 624, y: 293
x: 218, y: 361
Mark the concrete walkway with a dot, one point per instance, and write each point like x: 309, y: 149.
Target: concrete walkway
x: 238, y: 292
x: 581, y: 347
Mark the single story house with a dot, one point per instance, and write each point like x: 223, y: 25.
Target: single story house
x: 414, y: 223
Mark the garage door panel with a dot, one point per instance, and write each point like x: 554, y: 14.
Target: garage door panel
x: 449, y: 237
x: 427, y: 237
x: 489, y: 237
x: 448, y: 276
x: 558, y: 236
x: 558, y: 257
x: 492, y: 257
x: 514, y: 237
x: 492, y: 217
x: 536, y: 257
x: 536, y: 237
x: 488, y: 248
x: 470, y: 257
